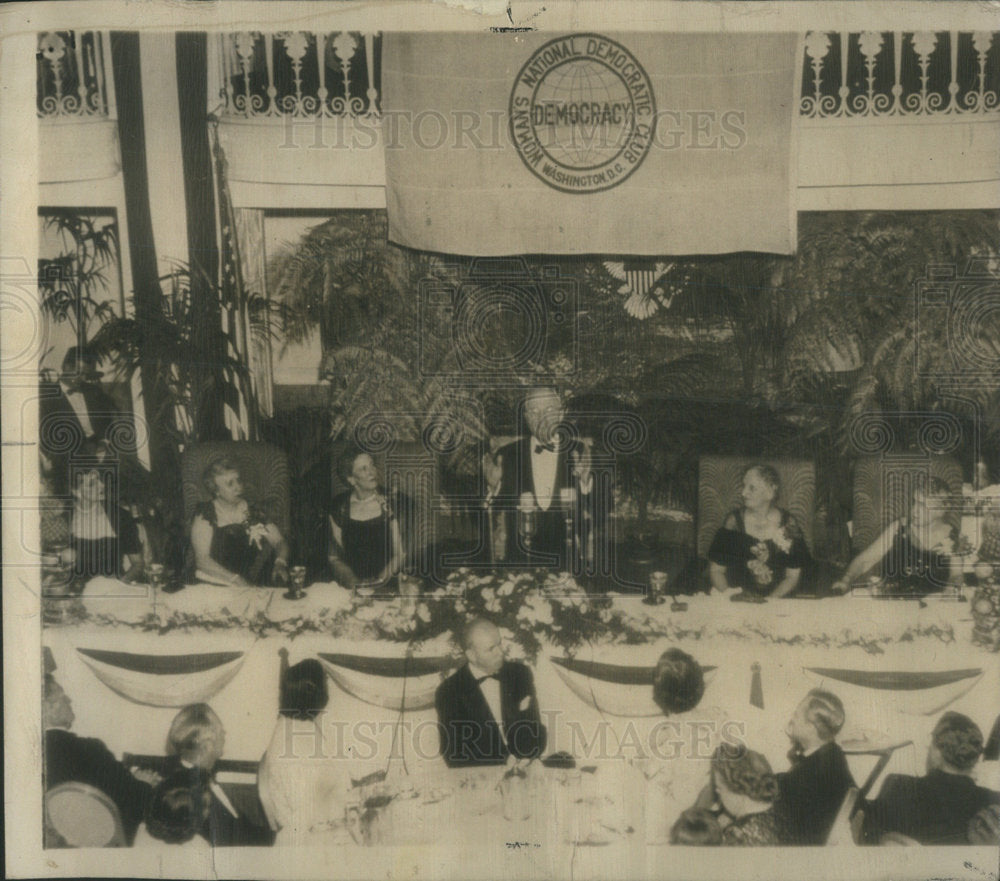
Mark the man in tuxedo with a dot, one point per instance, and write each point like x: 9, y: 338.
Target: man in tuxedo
x: 812, y: 791
x: 532, y: 473
x: 196, y: 741
x: 72, y: 411
x: 87, y: 760
x: 938, y: 807
x: 487, y: 709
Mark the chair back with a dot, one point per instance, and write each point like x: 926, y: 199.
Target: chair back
x: 883, y: 487
x: 79, y: 815
x: 410, y: 475
x: 841, y: 831
x: 719, y: 486
x: 262, y: 466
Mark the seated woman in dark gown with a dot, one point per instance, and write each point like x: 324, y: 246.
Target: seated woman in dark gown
x: 760, y: 547
x: 234, y: 543
x: 916, y: 553
x: 103, y: 534
x: 367, y: 547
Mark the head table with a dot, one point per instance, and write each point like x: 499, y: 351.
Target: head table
x: 129, y: 656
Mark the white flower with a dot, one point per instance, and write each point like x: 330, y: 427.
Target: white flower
x: 367, y: 613
x: 507, y: 588
x: 424, y: 613
x: 256, y: 534
x: 541, y: 611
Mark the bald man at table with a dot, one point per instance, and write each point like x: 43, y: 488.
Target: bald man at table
x: 487, y: 709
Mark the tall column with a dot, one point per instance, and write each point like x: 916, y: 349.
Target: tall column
x: 191, y: 67
x: 142, y: 247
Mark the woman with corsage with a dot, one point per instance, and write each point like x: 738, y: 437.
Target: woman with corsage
x: 916, y: 553
x: 234, y: 543
x: 367, y: 547
x: 760, y: 548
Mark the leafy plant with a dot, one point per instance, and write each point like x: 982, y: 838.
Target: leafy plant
x: 71, y: 284
x: 187, y: 372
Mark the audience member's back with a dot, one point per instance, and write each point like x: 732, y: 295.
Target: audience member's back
x: 938, y: 807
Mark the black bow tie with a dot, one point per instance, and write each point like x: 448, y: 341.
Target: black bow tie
x: 549, y: 447
x: 481, y: 679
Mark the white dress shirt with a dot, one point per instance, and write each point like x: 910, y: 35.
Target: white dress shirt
x: 543, y: 474
x: 92, y: 523
x: 217, y: 791
x: 491, y: 691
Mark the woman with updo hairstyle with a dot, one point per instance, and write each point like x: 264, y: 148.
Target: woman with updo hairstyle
x: 302, y: 781
x: 939, y: 807
x: 367, y: 545
x: 740, y: 795
x: 678, y: 682
x: 104, y: 536
x: 916, y: 553
x: 178, y: 810
x: 760, y: 547
x: 234, y: 542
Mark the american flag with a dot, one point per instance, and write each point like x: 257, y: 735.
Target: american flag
x: 240, y: 411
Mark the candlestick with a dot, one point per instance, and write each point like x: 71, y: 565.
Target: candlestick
x: 527, y: 523
x: 567, y: 501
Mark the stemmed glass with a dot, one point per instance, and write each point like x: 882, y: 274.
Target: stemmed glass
x: 296, y: 583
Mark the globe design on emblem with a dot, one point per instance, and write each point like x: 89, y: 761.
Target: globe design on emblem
x: 575, y: 142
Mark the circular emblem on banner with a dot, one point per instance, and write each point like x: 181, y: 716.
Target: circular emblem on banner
x: 582, y: 113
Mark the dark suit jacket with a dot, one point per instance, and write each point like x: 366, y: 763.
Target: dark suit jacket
x: 934, y: 809
x: 87, y: 760
x: 60, y: 426
x: 221, y: 828
x: 811, y: 793
x: 591, y: 515
x: 60, y: 431
x: 469, y: 733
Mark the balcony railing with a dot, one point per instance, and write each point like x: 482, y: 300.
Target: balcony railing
x: 71, y: 75
x: 900, y: 74
x: 305, y: 74
x: 300, y: 74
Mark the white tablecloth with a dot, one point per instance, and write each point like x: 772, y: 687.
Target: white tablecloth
x: 785, y: 637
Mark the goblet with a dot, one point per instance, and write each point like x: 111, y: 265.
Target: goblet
x: 296, y: 583
x: 657, y: 588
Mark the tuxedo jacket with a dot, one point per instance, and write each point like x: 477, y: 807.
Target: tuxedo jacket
x: 811, y: 793
x: 59, y: 424
x: 469, y: 733
x: 87, y: 760
x: 592, y: 509
x: 934, y: 809
x: 60, y: 431
x: 221, y: 828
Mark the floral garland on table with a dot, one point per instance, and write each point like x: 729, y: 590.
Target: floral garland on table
x: 531, y: 608
x: 527, y: 606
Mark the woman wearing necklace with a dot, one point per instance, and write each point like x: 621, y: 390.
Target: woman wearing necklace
x: 234, y: 543
x: 916, y: 553
x: 760, y: 547
x: 367, y: 547
x: 103, y: 534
